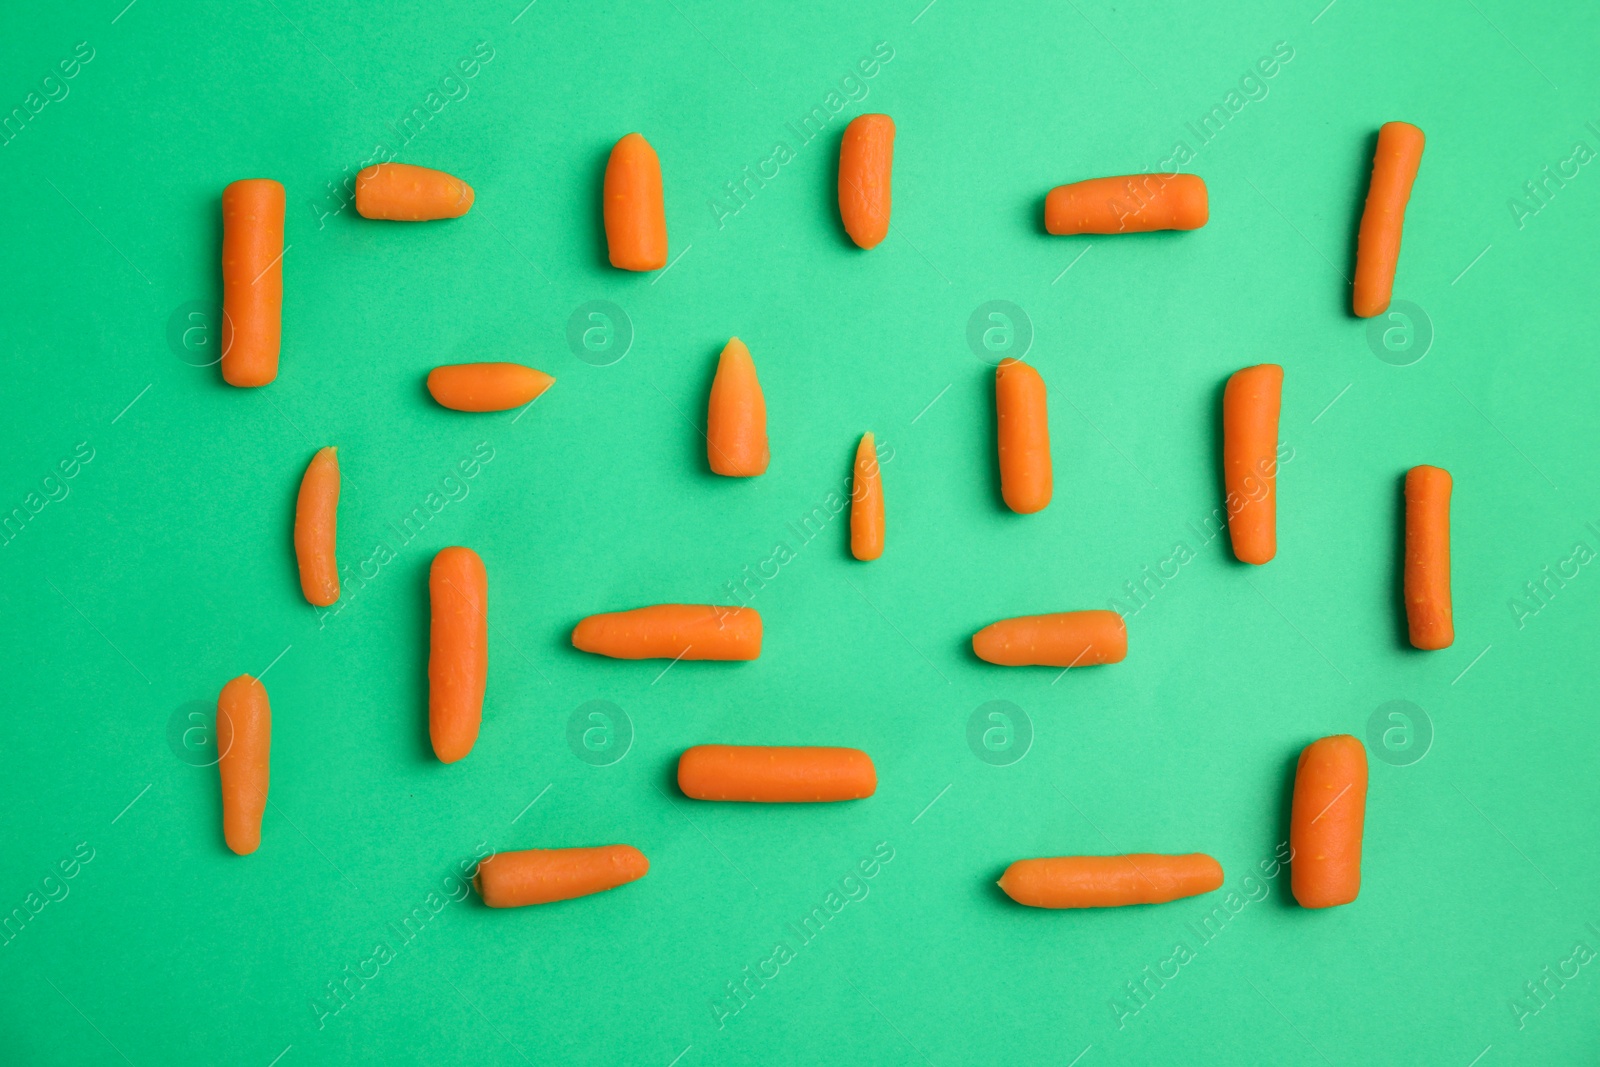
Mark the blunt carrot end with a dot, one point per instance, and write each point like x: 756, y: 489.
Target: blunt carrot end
x: 487, y: 386
x: 1132, y: 203
x: 1427, y: 558
x: 316, y: 514
x: 1250, y: 407
x: 1326, y: 822
x: 545, y: 875
x: 404, y: 193
x: 1394, y: 170
x: 736, y: 416
x: 244, y: 739
x: 252, y: 281
x: 1109, y: 881
x: 1023, y: 432
x: 866, y: 163
x: 634, y: 206
x: 866, y: 503
x: 758, y: 774
x: 672, y: 631
x: 458, y: 651
x: 1066, y: 639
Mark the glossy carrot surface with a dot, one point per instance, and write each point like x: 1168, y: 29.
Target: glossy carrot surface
x: 672, y: 631
x: 458, y: 651
x: 1394, y: 170
x: 866, y: 503
x: 1023, y: 426
x: 244, y: 743
x: 404, y: 193
x: 866, y: 165
x: 1133, y: 203
x: 1427, y: 564
x: 736, y: 416
x: 544, y: 875
x: 1109, y: 881
x: 1064, y: 639
x: 634, y: 206
x: 1250, y: 407
x: 1327, y: 821
x: 252, y: 281
x: 486, y: 386
x: 316, y: 515
x: 763, y: 774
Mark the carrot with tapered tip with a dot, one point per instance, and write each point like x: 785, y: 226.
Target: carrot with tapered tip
x: 402, y: 192
x: 1132, y: 203
x: 736, y: 416
x: 1064, y: 639
x: 866, y: 503
x: 634, y: 206
x: 1109, y: 881
x: 316, y: 514
x: 672, y: 631
x: 486, y: 386
x: 544, y: 875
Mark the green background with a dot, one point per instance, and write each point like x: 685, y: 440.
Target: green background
x: 166, y: 568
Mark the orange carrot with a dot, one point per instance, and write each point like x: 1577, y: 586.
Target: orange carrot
x: 252, y: 281
x: 1065, y: 639
x: 866, y: 503
x: 1250, y: 406
x: 736, y: 416
x: 1394, y: 169
x: 404, y: 193
x: 635, y: 211
x: 316, y: 514
x: 1024, y: 436
x: 866, y: 160
x: 458, y: 651
x: 1109, y: 881
x: 486, y: 386
x: 672, y: 631
x: 1133, y: 203
x: 543, y: 875
x: 244, y: 739
x: 1427, y: 568
x: 1325, y: 822
x: 762, y: 774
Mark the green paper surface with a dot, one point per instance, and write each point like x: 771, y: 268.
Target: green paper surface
x: 162, y: 566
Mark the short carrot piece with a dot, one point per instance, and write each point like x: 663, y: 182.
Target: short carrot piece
x: 866, y: 164
x: 1394, y: 170
x: 486, y: 386
x: 458, y: 651
x: 544, y: 875
x: 1427, y: 566
x: 1109, y: 881
x: 761, y: 774
x: 316, y: 514
x: 401, y: 192
x: 244, y: 739
x: 252, y: 281
x: 1133, y: 203
x: 1065, y: 639
x: 736, y: 416
x: 1326, y: 821
x: 1024, y: 437
x: 866, y: 503
x: 1250, y: 407
x: 635, y: 209
x: 672, y: 631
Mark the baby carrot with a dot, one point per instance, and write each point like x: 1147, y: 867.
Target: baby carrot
x: 486, y: 386
x: 1325, y: 822
x: 458, y: 651
x: 543, y: 875
x: 761, y: 774
x: 1109, y: 881
x: 1024, y: 436
x: 1394, y: 169
x: 252, y: 281
x: 1427, y: 567
x: 404, y: 193
x: 866, y: 503
x: 866, y: 159
x: 244, y: 738
x: 736, y: 416
x: 1250, y: 406
x: 1065, y: 639
x: 672, y: 631
x: 1133, y: 203
x: 635, y: 211
x: 316, y: 514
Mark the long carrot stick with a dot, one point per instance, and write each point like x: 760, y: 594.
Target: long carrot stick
x: 672, y: 631
x: 761, y: 774
x: 316, y: 515
x: 635, y: 209
x: 866, y: 503
x: 866, y: 164
x: 244, y: 738
x: 486, y: 386
x: 252, y: 281
x: 736, y: 416
x: 543, y: 875
x: 1326, y: 821
x: 1023, y: 437
x: 1132, y: 203
x: 1065, y: 639
x: 405, y: 193
x: 1109, y: 881
x: 1427, y: 566
x: 1394, y: 169
x: 1250, y: 406
x: 458, y: 651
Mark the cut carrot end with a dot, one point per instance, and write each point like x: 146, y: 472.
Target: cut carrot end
x: 634, y: 206
x: 672, y: 631
x: 1133, y: 203
x: 1065, y: 639
x: 401, y: 192
x: 1429, y: 615
x: 1251, y: 404
x: 481, y: 387
x: 759, y: 774
x: 1109, y: 881
x: 1395, y: 163
x: 1327, y: 821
